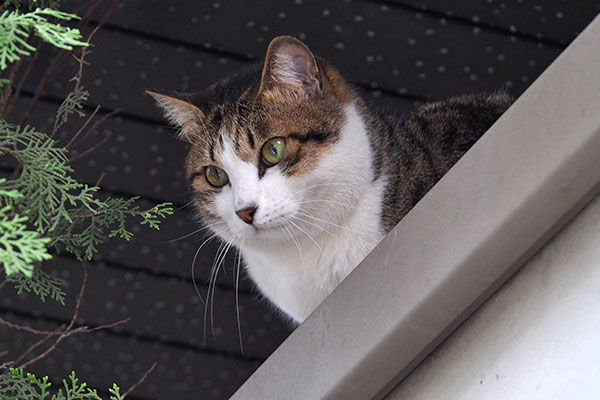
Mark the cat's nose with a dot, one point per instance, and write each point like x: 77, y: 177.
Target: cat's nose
x: 247, y: 214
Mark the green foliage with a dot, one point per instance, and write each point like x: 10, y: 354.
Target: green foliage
x: 108, y: 220
x: 73, y: 103
x: 62, y: 213
x: 26, y: 386
x: 16, y: 26
x: 40, y: 283
x: 20, y: 247
x: 45, y: 183
x: 31, y: 4
x: 43, y: 206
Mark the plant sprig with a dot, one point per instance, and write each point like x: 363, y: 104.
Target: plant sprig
x: 27, y: 386
x: 20, y: 247
x: 46, y: 207
x: 15, y: 28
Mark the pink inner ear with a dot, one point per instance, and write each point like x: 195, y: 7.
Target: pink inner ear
x: 305, y: 77
x: 297, y: 70
x: 300, y: 64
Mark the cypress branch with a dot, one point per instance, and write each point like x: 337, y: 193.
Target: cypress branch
x: 15, y: 27
x: 20, y: 248
x: 43, y: 206
x: 46, y: 207
x: 32, y: 4
x: 27, y: 386
x: 41, y: 283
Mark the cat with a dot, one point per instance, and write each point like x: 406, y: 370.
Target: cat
x: 289, y: 164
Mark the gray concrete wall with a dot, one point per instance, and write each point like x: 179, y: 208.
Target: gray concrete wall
x: 538, y: 337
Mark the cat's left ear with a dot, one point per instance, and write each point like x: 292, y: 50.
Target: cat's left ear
x: 180, y: 111
x: 290, y: 65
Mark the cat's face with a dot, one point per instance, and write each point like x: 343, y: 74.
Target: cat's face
x: 260, y: 170
x: 265, y: 160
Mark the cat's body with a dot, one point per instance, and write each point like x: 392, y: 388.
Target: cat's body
x: 290, y: 166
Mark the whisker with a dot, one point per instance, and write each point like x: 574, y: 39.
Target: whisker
x: 237, y: 299
x: 195, y: 232
x: 229, y: 245
x: 319, y: 184
x: 220, y: 259
x: 194, y: 266
x: 212, y: 269
x: 285, y: 225
x: 322, y: 200
x: 184, y: 205
x: 210, y: 278
x: 311, y: 238
x: 318, y: 226
x: 307, y: 214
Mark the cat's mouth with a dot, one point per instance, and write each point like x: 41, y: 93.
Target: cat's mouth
x: 266, y: 231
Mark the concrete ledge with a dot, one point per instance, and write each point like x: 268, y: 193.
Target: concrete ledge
x: 532, y: 171
x: 536, y: 338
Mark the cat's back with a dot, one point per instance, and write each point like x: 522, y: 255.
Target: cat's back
x: 448, y: 128
x: 422, y: 148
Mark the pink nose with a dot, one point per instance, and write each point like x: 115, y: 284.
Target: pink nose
x: 247, y: 214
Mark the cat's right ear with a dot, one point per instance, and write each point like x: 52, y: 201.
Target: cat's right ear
x: 291, y: 66
x: 180, y: 111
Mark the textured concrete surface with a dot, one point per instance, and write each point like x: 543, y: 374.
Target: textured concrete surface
x: 537, y: 338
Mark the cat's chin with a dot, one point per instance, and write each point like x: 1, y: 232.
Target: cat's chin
x: 264, y: 233
x: 271, y: 233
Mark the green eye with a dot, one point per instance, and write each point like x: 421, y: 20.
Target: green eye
x: 216, y: 176
x: 272, y: 151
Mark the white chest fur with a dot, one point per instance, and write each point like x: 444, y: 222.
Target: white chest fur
x: 298, y: 274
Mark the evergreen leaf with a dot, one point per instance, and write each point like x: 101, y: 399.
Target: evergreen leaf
x: 21, y: 385
x: 41, y: 283
x: 108, y: 220
x: 15, y: 27
x: 73, y: 103
x: 64, y: 212
x: 45, y: 182
x: 20, y: 248
x: 32, y: 4
x: 115, y: 392
x: 152, y: 215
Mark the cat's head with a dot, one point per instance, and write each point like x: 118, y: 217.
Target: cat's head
x: 266, y: 156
